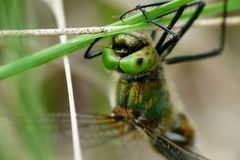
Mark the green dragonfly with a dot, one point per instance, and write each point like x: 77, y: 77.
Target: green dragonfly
x: 143, y: 108
x: 142, y: 103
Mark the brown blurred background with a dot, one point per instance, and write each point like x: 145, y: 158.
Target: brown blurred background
x: 209, y: 89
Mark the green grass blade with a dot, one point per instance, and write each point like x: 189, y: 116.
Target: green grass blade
x: 79, y: 42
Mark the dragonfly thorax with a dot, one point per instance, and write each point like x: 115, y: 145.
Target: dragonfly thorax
x: 144, y: 97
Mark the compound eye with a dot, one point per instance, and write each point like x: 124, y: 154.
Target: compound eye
x: 110, y: 59
x: 139, y: 62
x: 134, y: 65
x: 125, y: 44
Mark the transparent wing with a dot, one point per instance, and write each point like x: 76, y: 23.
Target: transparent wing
x: 94, y: 129
x: 106, y: 137
x: 103, y: 137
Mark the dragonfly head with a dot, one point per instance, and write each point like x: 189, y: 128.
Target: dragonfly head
x: 127, y: 43
x: 130, y: 53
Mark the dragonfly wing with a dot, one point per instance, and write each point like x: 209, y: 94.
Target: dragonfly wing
x: 171, y: 150
x: 99, y: 130
x: 103, y: 137
x: 94, y: 129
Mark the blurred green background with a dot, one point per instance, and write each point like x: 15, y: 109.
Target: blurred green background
x: 209, y: 89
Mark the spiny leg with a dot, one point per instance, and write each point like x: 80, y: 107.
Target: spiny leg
x: 89, y: 54
x: 169, y: 45
x: 143, y: 6
x: 171, y: 24
x: 168, y: 31
x: 211, y: 53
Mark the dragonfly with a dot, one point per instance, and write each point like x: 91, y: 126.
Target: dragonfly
x: 143, y: 107
x: 142, y: 104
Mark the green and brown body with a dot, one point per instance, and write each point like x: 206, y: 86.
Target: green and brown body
x: 141, y: 93
x: 146, y: 96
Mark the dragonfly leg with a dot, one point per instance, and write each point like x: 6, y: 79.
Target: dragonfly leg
x: 168, y: 46
x: 161, y: 41
x: 152, y: 21
x: 203, y: 55
x: 88, y: 54
x: 143, y: 6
